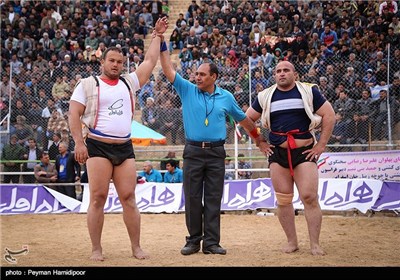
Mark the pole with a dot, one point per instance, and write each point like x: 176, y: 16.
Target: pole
x: 236, y: 151
x: 389, y: 122
x: 369, y: 135
x: 250, y: 93
x: 9, y: 100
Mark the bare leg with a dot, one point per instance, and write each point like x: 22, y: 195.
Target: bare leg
x: 308, y: 190
x: 283, y: 183
x: 313, y: 216
x: 124, y: 178
x: 99, y: 172
x: 287, y: 219
x: 132, y: 222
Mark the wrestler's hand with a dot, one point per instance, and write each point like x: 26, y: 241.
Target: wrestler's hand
x: 314, y: 153
x: 81, y: 153
x: 266, y: 148
x: 161, y: 25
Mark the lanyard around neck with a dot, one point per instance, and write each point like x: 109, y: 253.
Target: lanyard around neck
x: 212, y: 108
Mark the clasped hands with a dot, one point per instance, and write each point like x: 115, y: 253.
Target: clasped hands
x: 160, y: 27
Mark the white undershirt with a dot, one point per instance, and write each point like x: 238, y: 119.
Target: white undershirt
x: 115, y: 113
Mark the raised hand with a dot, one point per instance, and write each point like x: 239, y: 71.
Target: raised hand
x: 161, y: 25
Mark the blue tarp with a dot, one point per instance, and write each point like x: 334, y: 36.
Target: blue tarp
x: 143, y: 136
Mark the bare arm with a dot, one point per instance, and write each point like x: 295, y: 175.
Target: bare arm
x: 249, y: 125
x: 261, y: 143
x: 328, y: 122
x: 76, y: 110
x: 252, y: 117
x: 146, y: 67
x: 167, y: 67
x: 253, y: 114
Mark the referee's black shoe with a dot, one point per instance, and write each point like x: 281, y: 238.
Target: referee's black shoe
x: 190, y: 248
x: 214, y: 249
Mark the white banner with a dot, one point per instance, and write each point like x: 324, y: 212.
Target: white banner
x: 150, y: 197
x: 334, y: 194
x: 380, y: 165
x: 341, y: 194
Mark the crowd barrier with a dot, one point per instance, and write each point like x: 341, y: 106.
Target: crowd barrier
x: 334, y: 195
x: 359, y: 180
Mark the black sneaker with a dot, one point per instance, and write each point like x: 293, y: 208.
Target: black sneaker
x: 190, y: 248
x: 214, y: 249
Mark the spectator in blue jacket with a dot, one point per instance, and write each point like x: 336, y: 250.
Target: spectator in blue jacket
x: 174, y: 174
x: 151, y: 174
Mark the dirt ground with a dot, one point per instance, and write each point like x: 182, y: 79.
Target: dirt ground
x: 251, y: 240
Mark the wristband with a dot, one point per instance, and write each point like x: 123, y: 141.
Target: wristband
x: 163, y: 47
x: 254, y: 133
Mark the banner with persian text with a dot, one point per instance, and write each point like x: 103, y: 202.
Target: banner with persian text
x: 334, y: 194
x: 380, y: 165
x: 33, y: 199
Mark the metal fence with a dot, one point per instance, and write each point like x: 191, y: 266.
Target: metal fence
x: 366, y: 99
x: 363, y: 89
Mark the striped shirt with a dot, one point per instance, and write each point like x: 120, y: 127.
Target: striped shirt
x: 288, y: 113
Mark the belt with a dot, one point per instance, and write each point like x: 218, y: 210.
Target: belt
x: 107, y: 140
x: 291, y: 144
x: 206, y: 145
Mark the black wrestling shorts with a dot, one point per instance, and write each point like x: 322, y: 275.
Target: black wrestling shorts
x: 280, y: 156
x: 116, y: 153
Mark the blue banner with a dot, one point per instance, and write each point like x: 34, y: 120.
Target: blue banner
x: 334, y: 194
x: 389, y: 197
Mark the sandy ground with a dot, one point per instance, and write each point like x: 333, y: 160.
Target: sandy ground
x: 251, y: 240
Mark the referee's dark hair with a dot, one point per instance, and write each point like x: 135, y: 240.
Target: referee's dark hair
x: 213, y: 69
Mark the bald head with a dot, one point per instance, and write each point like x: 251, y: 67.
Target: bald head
x: 147, y: 167
x: 285, y: 75
x: 285, y: 64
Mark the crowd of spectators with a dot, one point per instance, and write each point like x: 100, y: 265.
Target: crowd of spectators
x: 345, y: 47
x: 48, y: 46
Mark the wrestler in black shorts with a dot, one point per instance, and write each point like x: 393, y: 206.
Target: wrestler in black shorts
x: 280, y: 156
x: 116, y: 153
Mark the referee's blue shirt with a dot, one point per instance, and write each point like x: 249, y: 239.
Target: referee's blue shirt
x: 196, y: 104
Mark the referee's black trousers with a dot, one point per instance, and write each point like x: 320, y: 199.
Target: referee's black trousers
x: 203, y: 175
